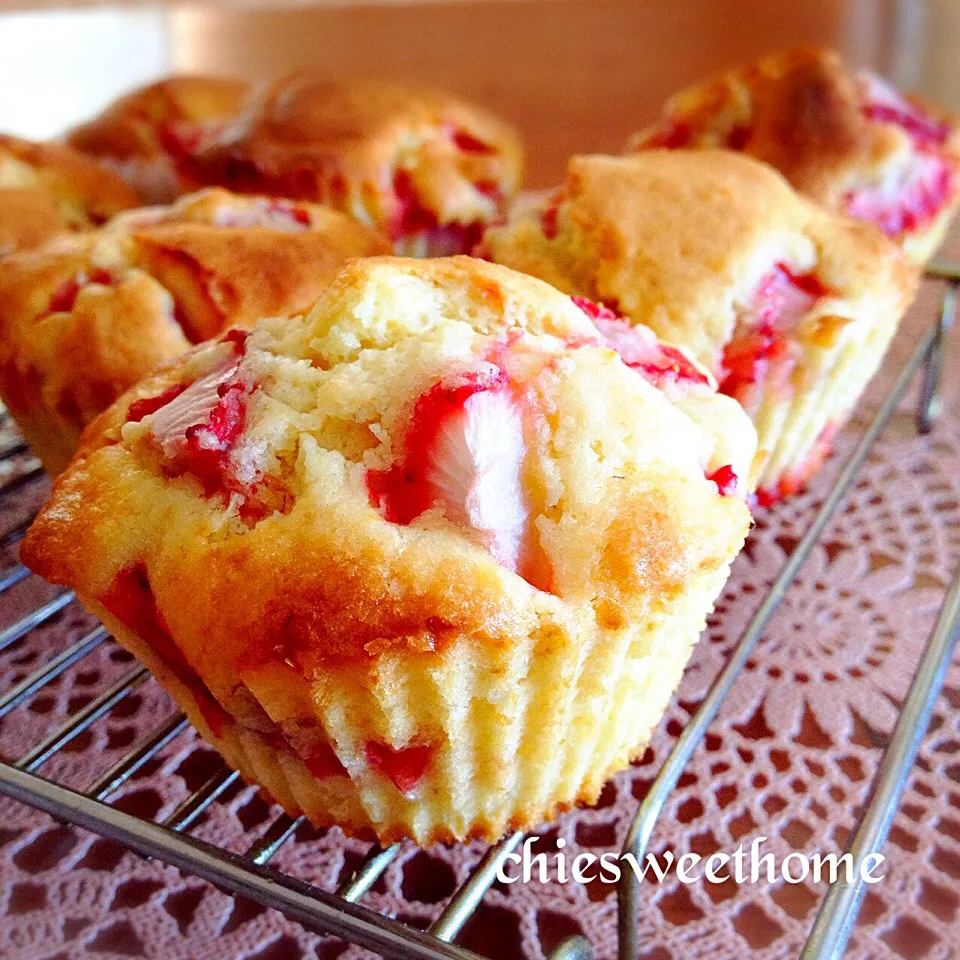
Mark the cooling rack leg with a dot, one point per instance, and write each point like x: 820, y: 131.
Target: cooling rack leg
x: 282, y: 829
x: 376, y: 861
x: 838, y: 912
x: 928, y: 406
x: 465, y: 900
x: 939, y: 270
x: 642, y: 827
x: 573, y: 948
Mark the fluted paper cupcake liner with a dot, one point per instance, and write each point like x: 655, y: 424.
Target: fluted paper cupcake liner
x: 519, y: 733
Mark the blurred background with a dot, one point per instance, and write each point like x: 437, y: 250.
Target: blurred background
x: 575, y: 75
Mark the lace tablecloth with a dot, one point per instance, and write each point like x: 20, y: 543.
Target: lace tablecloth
x: 790, y: 758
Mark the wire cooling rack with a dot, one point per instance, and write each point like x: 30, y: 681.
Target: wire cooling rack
x: 340, y: 913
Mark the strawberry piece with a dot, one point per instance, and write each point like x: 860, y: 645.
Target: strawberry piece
x: 767, y: 497
x: 491, y: 190
x: 670, y: 135
x: 725, y: 479
x: 549, y: 222
x: 238, y: 338
x: 322, y: 762
x: 147, y: 405
x: 738, y: 136
x: 923, y: 129
x: 131, y: 600
x: 182, y: 138
x: 747, y: 359
x: 912, y: 199
x: 286, y: 210
x: 782, y: 299
x: 639, y: 348
x: 468, y: 143
x: 885, y: 104
x: 405, y: 767
x: 909, y: 202
x: 452, y: 239
x: 197, y: 429
x: 208, y: 444
x: 595, y: 311
x: 272, y: 214
x: 464, y: 453
x: 410, y: 216
x: 65, y: 296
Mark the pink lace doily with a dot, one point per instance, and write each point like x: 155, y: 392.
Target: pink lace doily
x: 790, y: 757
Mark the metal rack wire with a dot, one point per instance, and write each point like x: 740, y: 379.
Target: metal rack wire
x: 340, y: 913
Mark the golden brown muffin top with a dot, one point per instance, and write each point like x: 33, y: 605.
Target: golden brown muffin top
x: 438, y: 449
x: 86, y: 318
x: 682, y: 241
x: 164, y: 117
x: 845, y: 138
x: 368, y: 147
x: 28, y: 219
x: 47, y: 188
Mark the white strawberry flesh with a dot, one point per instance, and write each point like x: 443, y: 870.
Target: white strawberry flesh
x: 464, y: 454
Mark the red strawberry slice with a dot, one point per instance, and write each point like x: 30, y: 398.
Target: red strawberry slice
x: 782, y: 299
x: 198, y: 426
x: 464, y: 454
x: 906, y: 203
x: 468, y: 143
x: 640, y: 349
x: 911, y: 199
x: 725, y: 479
x: 410, y: 216
x: 182, y: 138
x: 65, y: 296
x: 322, y: 762
x: 671, y: 134
x: 147, y: 405
x: 885, y: 104
x: 405, y: 767
x: 272, y: 214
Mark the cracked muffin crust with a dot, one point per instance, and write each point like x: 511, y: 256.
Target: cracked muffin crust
x: 83, y: 320
x: 146, y: 134
x: 789, y: 306
x: 844, y: 138
x: 451, y: 538
x: 425, y: 169
x: 47, y: 189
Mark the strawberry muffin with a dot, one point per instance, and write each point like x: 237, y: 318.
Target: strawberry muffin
x: 844, y: 138
x: 47, y: 189
x: 83, y: 320
x: 427, y: 170
x: 450, y: 542
x: 147, y: 134
x: 790, y: 307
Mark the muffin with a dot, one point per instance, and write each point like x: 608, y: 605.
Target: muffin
x: 83, y: 320
x: 791, y: 307
x: 47, y: 189
x: 425, y: 169
x: 448, y: 552
x: 844, y: 138
x: 147, y: 134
